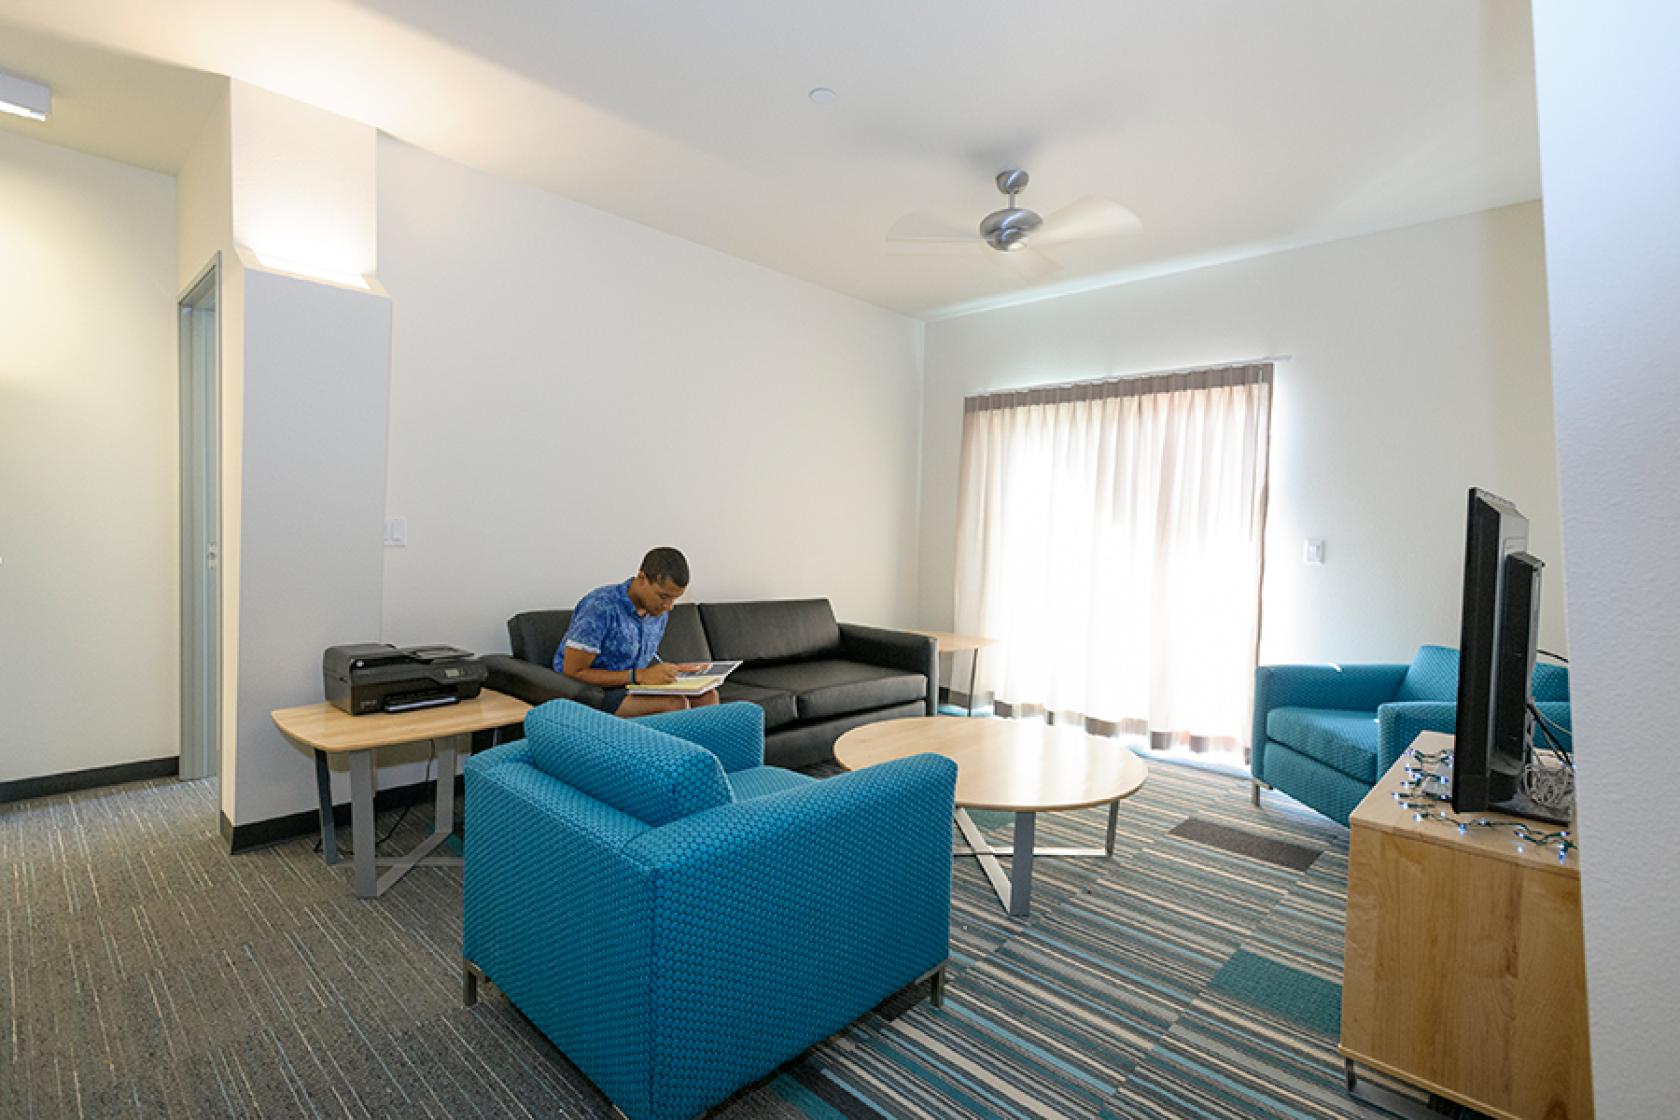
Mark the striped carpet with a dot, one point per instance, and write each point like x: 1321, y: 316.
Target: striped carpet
x: 147, y: 973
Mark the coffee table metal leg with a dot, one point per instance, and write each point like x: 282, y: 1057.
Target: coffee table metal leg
x: 980, y: 849
x: 1020, y: 871
x: 1113, y: 821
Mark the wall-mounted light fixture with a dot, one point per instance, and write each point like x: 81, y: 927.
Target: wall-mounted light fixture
x: 24, y: 97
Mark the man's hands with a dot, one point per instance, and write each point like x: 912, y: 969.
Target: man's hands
x: 659, y: 673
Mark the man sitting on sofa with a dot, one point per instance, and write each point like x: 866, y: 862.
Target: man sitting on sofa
x: 613, y: 641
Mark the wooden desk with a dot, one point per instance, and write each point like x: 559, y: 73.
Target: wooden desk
x: 1464, y: 972
x: 1021, y: 767
x: 957, y: 643
x: 325, y: 730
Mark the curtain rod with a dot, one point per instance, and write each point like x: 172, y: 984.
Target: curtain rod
x: 1270, y: 359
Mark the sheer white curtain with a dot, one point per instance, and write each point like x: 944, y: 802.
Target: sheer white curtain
x: 1109, y: 534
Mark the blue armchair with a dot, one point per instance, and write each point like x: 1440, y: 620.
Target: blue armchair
x: 679, y: 918
x: 1324, y: 734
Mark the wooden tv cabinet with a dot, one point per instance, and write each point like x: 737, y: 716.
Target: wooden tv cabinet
x: 1464, y: 973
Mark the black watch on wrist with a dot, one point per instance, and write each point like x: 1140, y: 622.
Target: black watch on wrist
x: 632, y: 676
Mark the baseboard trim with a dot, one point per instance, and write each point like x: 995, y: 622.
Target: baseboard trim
x: 47, y: 785
x: 277, y: 830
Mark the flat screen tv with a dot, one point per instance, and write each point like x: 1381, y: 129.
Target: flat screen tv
x: 1494, y: 530
x: 1499, y: 627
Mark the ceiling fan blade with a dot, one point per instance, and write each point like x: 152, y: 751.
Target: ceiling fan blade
x: 927, y: 227
x: 1025, y: 261
x: 1091, y: 216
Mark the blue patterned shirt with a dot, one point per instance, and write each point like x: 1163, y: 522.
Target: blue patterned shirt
x: 607, y: 624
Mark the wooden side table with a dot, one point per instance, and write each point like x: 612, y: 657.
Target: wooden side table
x: 1464, y: 972
x: 954, y: 644
x: 325, y: 730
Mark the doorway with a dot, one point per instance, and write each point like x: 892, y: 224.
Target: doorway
x: 201, y: 525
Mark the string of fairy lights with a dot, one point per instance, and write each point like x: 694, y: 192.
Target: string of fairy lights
x: 1426, y: 789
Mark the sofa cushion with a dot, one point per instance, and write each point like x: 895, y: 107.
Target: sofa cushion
x: 778, y: 706
x: 685, y: 638
x: 775, y: 630
x: 535, y: 635
x: 831, y: 688
x: 1344, y: 741
x: 761, y: 781
x: 655, y: 777
x: 1432, y: 675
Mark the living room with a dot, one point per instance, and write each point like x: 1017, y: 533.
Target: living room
x: 566, y: 318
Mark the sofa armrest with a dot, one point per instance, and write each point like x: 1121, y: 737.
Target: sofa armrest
x: 791, y: 915
x: 1398, y: 724
x: 1362, y: 688
x: 894, y: 649
x: 734, y: 731
x: 1562, y: 726
x: 535, y: 684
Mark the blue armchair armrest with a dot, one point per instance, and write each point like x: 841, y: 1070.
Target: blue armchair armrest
x: 1398, y: 724
x: 1361, y: 688
x: 546, y: 879
x: 781, y: 919
x: 734, y: 732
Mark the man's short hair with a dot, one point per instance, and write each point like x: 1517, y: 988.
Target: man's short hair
x: 666, y: 564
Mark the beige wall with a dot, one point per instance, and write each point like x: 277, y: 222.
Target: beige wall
x: 89, y: 615
x: 1420, y: 368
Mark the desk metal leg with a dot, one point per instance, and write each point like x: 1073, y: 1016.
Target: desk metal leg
x: 361, y: 823
x: 323, y: 792
x: 443, y: 819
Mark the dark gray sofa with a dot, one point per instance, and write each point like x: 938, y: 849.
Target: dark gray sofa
x: 814, y: 677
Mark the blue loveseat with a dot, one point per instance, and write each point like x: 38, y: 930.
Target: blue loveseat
x: 1324, y: 734
x: 680, y: 919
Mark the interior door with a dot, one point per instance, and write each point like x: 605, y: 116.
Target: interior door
x: 201, y: 585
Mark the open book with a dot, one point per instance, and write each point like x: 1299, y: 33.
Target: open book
x: 692, y: 679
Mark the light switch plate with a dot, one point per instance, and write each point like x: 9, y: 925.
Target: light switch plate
x: 1315, y: 551
x: 396, y: 532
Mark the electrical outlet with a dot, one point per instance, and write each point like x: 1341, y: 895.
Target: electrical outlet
x: 396, y: 532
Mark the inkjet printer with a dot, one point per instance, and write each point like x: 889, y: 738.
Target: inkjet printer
x: 373, y: 677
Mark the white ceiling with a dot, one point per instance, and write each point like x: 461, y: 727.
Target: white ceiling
x: 1230, y: 126
x: 128, y: 109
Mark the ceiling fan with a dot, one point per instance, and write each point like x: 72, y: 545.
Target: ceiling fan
x: 1018, y: 232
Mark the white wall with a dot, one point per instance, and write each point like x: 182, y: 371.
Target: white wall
x: 1610, y: 167
x: 302, y: 182
x: 1420, y: 368
x: 316, y: 365
x: 88, y: 463
x: 569, y: 389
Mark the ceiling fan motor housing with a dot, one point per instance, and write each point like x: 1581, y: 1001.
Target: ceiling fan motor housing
x: 1007, y: 228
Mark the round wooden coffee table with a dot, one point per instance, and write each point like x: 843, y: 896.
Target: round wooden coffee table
x: 1016, y: 766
